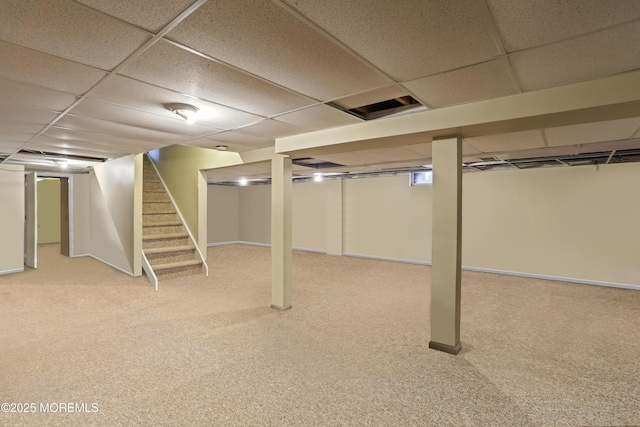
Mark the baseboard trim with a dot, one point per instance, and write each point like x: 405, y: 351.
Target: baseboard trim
x: 277, y: 307
x: 555, y: 278
x: 17, y: 270
x: 445, y: 347
x: 381, y: 258
x: 266, y: 245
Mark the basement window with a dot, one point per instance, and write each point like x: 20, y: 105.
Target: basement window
x: 421, y: 178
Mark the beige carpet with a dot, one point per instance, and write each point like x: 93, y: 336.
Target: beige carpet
x: 352, y: 351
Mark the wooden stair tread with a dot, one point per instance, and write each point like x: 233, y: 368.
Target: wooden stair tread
x: 168, y: 249
x: 165, y: 236
x: 163, y: 224
x: 178, y: 264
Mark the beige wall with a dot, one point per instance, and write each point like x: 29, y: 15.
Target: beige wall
x: 385, y: 217
x: 49, y: 211
x: 222, y: 212
x: 309, y: 216
x: 254, y: 214
x: 11, y: 218
x: 578, y: 223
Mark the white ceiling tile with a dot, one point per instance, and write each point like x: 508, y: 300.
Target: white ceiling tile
x: 371, y: 97
x: 206, y: 79
x: 40, y: 69
x: 319, y: 117
x: 69, y: 30
x: 626, y: 144
x: 273, y: 129
x: 408, y: 39
x: 235, y: 138
x: 508, y: 141
x: 424, y: 148
x: 26, y: 95
x: 103, y: 129
x: 134, y: 145
x: 75, y: 151
x: 59, y: 138
x: 391, y: 154
x: 468, y: 149
x: 585, y: 58
x: 152, y: 99
x: 404, y: 164
x: 129, y: 116
x: 25, y: 115
x: 152, y: 15
x: 539, y: 152
x: 9, y: 147
x: 592, y: 132
x: 483, y: 81
x: 263, y: 38
x: 525, y: 23
x: 348, y: 158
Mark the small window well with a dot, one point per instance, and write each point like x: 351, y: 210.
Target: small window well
x: 421, y: 178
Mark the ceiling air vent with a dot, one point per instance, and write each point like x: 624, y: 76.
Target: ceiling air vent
x: 314, y: 163
x: 400, y: 105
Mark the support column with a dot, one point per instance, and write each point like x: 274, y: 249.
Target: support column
x: 334, y: 216
x: 281, y: 230
x: 446, y: 244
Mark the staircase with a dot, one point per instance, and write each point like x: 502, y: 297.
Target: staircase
x: 168, y: 250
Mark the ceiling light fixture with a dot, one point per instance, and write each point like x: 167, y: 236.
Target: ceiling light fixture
x: 222, y: 147
x: 244, y: 181
x: 317, y: 177
x: 62, y: 163
x: 186, y: 111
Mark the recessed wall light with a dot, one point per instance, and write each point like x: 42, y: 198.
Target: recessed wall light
x: 186, y: 111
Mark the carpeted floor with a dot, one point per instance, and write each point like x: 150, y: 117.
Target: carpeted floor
x: 352, y: 351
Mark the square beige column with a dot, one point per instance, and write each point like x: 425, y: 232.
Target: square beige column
x: 446, y: 244
x: 281, y: 231
x: 334, y: 216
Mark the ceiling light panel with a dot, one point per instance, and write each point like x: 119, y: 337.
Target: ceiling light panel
x: 508, y: 141
x: 241, y: 34
x: 585, y: 58
x: 488, y: 80
x: 40, y: 69
x: 212, y: 81
x: 613, y: 130
x: 69, y: 30
x: 319, y: 117
x: 152, y: 15
x: 422, y: 33
x: 26, y: 95
x: 524, y: 23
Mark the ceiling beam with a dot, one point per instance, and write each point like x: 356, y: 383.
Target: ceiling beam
x: 610, y: 98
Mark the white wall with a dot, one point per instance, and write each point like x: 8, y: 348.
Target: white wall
x: 112, y: 225
x: 79, y: 214
x: 576, y: 223
x: 11, y: 218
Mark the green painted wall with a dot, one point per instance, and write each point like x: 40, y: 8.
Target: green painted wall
x: 49, y: 211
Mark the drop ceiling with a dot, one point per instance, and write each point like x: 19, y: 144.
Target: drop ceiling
x: 92, y: 78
